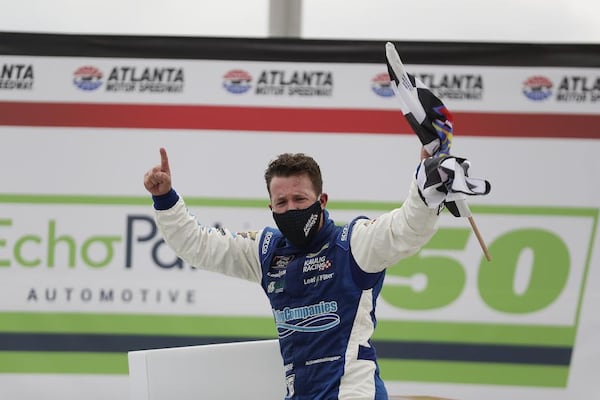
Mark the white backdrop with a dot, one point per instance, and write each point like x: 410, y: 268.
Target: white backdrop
x: 540, y: 184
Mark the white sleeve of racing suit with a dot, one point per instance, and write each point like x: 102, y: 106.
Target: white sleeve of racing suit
x: 379, y: 243
x: 208, y: 248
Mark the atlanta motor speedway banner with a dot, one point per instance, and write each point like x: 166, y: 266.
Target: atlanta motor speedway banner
x: 85, y: 276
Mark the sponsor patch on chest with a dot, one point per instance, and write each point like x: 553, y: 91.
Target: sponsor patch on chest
x: 313, y: 280
x: 320, y: 263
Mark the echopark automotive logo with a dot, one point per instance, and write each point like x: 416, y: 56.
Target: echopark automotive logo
x: 237, y: 81
x: 87, y: 78
x: 381, y: 85
x: 537, y: 88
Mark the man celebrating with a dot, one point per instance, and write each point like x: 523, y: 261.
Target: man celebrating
x: 322, y: 280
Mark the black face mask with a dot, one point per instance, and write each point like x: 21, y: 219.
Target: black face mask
x: 300, y: 226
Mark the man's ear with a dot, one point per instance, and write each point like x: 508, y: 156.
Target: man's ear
x: 270, y: 207
x: 323, y: 199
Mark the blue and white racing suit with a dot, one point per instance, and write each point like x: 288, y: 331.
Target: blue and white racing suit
x: 323, y: 297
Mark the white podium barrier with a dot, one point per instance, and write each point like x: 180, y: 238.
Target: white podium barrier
x: 244, y: 370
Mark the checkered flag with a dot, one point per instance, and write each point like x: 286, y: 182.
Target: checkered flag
x: 443, y: 180
x: 425, y: 112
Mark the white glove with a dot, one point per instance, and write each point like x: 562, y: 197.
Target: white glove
x: 446, y: 179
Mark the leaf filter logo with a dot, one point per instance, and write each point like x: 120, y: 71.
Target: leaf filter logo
x: 87, y: 78
x: 237, y: 81
x: 537, y: 88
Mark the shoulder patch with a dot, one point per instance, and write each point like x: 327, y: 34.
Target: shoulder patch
x: 247, y: 235
x: 344, y: 237
x: 265, y: 242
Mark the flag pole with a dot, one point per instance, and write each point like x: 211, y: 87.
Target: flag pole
x: 460, y: 208
x: 484, y: 247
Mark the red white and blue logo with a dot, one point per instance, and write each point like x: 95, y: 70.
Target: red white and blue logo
x: 537, y: 88
x: 381, y: 85
x: 87, y: 78
x: 237, y: 81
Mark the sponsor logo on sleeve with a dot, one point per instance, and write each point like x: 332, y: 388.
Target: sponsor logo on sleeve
x: 266, y: 241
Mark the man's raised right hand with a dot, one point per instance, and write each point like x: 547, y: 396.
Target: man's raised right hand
x: 158, y: 180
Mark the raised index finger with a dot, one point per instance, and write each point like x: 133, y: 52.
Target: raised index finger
x: 164, y: 160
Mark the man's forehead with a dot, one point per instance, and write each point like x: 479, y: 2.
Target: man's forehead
x: 293, y: 184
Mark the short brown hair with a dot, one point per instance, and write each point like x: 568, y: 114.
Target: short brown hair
x: 290, y: 164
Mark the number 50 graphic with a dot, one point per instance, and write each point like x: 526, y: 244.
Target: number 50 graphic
x: 448, y: 315
x: 536, y: 274
x: 539, y: 257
